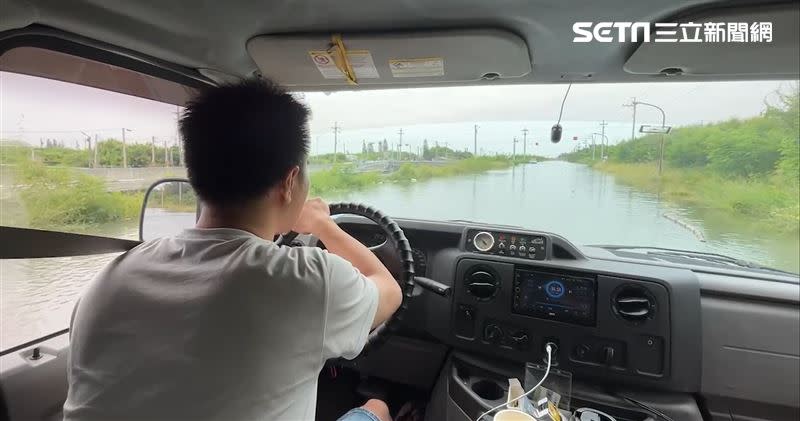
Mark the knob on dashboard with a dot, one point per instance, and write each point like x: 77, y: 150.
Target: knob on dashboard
x: 583, y: 352
x: 492, y: 333
x: 608, y: 355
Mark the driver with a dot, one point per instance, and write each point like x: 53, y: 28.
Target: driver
x: 219, y: 322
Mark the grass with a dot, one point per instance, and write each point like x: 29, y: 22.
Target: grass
x: 61, y: 198
x: 341, y: 179
x: 65, y: 199
x: 420, y: 172
x: 767, y: 202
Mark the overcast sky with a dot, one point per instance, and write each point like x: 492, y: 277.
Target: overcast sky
x: 33, y: 108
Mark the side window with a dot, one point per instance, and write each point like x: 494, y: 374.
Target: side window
x: 74, y: 158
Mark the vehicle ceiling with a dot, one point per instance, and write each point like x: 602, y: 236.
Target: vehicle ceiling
x: 213, y: 34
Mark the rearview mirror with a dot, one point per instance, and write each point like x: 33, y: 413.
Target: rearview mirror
x: 170, y: 206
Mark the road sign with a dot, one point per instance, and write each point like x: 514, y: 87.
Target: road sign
x: 655, y: 129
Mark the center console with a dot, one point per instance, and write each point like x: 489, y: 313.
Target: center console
x: 604, y: 326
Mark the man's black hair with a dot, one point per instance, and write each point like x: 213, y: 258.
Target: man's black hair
x: 241, y: 139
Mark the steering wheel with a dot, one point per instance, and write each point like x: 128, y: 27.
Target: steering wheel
x: 395, y: 253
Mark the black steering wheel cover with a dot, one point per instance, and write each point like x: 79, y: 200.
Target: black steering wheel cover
x: 398, y: 239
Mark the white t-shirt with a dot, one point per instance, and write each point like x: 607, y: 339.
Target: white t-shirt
x: 214, y: 324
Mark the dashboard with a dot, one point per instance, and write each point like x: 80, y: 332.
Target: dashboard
x: 512, y: 291
x: 666, y: 328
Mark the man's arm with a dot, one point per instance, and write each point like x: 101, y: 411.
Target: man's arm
x: 316, y: 220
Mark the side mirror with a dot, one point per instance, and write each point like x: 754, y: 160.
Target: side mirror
x: 170, y: 206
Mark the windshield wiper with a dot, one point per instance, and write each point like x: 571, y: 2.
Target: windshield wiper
x: 699, y: 255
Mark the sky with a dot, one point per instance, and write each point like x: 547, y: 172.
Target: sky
x: 34, y: 109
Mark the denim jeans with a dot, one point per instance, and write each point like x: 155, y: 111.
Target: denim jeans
x: 359, y: 414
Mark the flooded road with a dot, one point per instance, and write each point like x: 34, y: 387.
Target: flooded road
x: 581, y: 204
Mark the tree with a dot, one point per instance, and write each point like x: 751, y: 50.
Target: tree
x: 426, y: 153
x: 363, y: 146
x: 139, y: 155
x: 109, y: 153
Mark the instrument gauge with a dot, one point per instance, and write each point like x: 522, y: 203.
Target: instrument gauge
x: 483, y: 241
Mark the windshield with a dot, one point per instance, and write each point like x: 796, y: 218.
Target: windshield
x: 726, y: 182
x: 78, y: 159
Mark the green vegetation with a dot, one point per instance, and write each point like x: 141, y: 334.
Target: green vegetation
x: 53, y: 196
x: 419, y: 172
x: 59, y: 197
x: 753, y: 201
x: 747, y: 168
x: 109, y: 154
x: 428, y: 154
x: 343, y: 178
x: 340, y: 179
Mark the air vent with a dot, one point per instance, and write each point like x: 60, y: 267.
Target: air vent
x: 481, y: 283
x: 634, y: 303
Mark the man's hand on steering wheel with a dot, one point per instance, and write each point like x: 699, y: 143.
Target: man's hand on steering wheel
x: 314, y: 214
x: 389, y: 265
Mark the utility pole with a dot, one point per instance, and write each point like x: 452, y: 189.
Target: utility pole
x: 633, y: 125
x: 153, y: 151
x: 180, y: 153
x: 514, y: 150
x: 178, y: 137
x: 603, y: 133
x: 124, y: 151
x: 663, y: 122
x: 400, y: 145
x: 336, y: 130
x: 525, y: 141
x: 166, y: 159
x: 475, y: 142
x: 88, y: 142
x: 96, y: 147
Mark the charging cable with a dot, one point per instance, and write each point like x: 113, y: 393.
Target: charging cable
x: 549, y: 350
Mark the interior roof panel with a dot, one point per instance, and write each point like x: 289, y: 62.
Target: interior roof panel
x: 213, y: 34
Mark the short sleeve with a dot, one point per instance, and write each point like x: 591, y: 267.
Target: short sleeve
x: 350, y: 307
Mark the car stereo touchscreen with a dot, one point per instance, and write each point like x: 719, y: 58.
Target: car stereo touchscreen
x: 564, y: 298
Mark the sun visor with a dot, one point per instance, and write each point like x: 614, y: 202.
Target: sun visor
x: 780, y: 57
x: 389, y: 59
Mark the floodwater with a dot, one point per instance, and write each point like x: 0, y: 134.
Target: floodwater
x: 583, y: 205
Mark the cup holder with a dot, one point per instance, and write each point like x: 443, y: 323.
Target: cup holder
x: 487, y: 389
